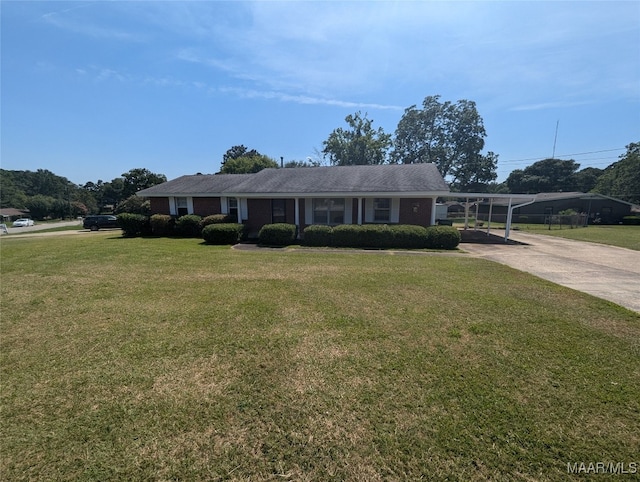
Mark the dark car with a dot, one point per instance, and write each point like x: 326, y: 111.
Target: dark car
x: 100, y: 221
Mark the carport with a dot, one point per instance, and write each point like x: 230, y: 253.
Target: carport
x: 515, y: 201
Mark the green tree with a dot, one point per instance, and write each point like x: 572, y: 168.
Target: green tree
x: 247, y: 164
x: 134, y: 205
x: 586, y: 179
x: 449, y: 135
x: 87, y: 199
x: 112, y: 192
x: 548, y: 175
x: 622, y: 178
x: 308, y: 163
x: 361, y: 144
x: 137, y: 179
x: 40, y: 206
x: 238, y: 151
x: 11, y: 196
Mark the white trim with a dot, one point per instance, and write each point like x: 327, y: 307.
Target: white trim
x: 395, y: 210
x: 348, y: 210
x: 368, y: 210
x: 333, y: 195
x: 224, y: 205
x: 308, y: 211
x: 242, y: 209
x: 432, y: 221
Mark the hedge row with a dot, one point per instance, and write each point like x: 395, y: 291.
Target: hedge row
x: 217, y: 230
x: 400, y: 236
x: 190, y: 225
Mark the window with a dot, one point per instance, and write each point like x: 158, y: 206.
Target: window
x: 328, y: 211
x: 381, y: 210
x: 182, y: 208
x: 232, y: 207
x: 278, y: 211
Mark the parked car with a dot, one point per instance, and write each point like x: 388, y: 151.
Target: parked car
x: 100, y: 221
x: 23, y: 222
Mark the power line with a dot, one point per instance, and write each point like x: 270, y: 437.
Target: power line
x: 562, y: 155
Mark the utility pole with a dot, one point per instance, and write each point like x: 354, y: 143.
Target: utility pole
x: 553, y: 156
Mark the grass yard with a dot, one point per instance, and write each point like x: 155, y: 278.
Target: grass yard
x: 621, y: 236
x: 165, y: 359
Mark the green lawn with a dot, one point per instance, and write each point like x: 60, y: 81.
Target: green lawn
x: 165, y: 359
x: 621, y: 236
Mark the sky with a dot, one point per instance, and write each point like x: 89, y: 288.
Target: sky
x: 93, y: 89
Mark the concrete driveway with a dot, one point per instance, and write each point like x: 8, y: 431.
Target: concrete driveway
x: 604, y: 271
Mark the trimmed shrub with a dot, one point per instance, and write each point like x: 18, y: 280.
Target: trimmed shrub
x: 317, y: 235
x: 377, y: 236
x: 408, y: 236
x: 216, y: 219
x: 631, y: 220
x: 363, y: 236
x: 227, y: 233
x: 346, y: 235
x: 442, y: 237
x: 278, y: 234
x: 162, y: 225
x: 189, y: 226
x: 133, y: 224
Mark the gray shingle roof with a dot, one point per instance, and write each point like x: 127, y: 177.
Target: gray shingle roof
x: 388, y: 178
x: 195, y: 184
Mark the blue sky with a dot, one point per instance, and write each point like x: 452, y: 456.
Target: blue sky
x: 93, y: 89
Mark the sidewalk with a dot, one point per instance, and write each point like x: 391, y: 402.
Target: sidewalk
x: 607, y: 272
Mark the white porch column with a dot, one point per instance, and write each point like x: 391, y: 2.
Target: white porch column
x: 432, y: 221
x: 489, y: 219
x: 466, y: 214
x: 475, y: 224
x: 239, y: 210
x: 507, y: 227
x: 359, y: 210
x: 296, y: 214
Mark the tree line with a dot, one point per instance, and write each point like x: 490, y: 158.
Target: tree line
x: 448, y: 134
x: 451, y: 135
x: 47, y: 195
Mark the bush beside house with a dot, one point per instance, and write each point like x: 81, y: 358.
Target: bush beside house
x: 225, y: 233
x: 278, y: 234
x: 134, y: 224
x: 382, y: 236
x: 216, y: 229
x: 189, y: 226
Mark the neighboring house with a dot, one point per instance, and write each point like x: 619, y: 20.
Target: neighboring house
x: 596, y: 208
x: 392, y: 193
x: 9, y: 214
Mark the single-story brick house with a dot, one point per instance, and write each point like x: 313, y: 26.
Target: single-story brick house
x: 391, y: 193
x: 596, y: 208
x: 9, y: 214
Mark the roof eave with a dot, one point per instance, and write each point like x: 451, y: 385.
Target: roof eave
x: 322, y: 194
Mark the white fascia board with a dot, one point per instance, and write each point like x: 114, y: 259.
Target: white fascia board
x: 185, y: 194
x: 349, y: 194
x: 484, y: 195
